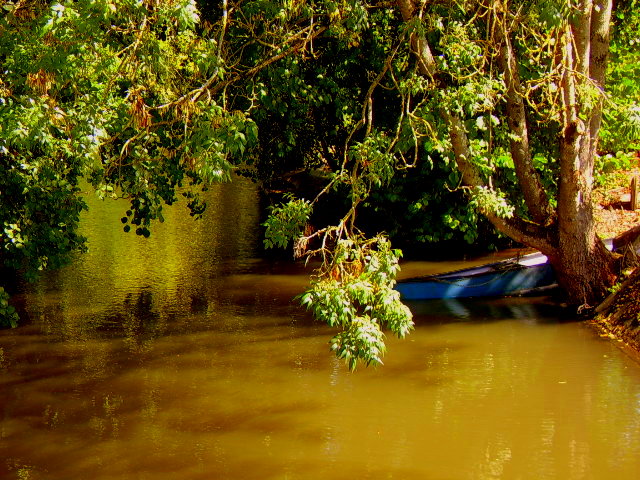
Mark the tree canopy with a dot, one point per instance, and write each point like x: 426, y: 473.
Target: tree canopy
x: 494, y: 104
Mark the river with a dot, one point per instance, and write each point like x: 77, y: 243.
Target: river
x: 183, y: 356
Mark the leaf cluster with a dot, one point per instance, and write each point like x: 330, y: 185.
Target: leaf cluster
x: 8, y: 315
x: 39, y: 209
x: 286, y: 222
x: 354, y: 292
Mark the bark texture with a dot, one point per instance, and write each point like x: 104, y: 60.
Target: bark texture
x: 583, y: 265
x: 534, y: 194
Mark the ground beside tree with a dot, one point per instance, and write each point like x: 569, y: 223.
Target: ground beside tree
x: 618, y: 317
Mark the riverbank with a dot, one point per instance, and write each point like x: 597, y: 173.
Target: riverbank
x: 613, y: 214
x: 618, y: 316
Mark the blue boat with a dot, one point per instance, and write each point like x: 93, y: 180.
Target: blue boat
x: 515, y: 276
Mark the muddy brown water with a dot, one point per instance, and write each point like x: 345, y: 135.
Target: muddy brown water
x: 183, y: 356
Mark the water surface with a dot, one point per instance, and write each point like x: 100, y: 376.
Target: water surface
x: 183, y: 357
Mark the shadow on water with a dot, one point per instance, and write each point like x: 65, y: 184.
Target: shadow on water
x: 539, y: 310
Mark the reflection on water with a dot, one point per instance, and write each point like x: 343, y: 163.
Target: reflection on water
x: 183, y: 357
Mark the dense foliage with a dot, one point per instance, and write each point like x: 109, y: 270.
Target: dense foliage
x: 621, y: 130
x: 112, y: 92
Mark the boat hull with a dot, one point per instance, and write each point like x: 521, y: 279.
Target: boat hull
x: 502, y: 279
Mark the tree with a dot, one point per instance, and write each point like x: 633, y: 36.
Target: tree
x: 566, y: 93
x: 517, y: 88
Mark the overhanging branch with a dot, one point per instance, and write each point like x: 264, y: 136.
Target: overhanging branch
x: 528, y: 177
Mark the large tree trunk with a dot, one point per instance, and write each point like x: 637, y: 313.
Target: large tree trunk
x: 584, y: 267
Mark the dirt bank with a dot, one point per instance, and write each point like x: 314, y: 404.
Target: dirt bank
x: 618, y: 317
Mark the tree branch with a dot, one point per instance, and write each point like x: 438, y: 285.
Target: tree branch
x: 528, y: 178
x: 208, y: 85
x: 600, y: 29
